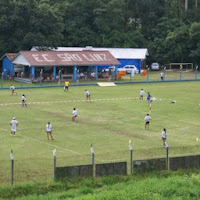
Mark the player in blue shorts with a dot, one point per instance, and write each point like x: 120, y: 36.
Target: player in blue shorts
x: 148, y: 98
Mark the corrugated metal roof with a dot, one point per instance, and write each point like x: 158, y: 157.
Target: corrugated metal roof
x: 65, y: 58
x: 123, y: 53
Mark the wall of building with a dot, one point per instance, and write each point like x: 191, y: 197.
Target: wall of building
x: 7, y: 67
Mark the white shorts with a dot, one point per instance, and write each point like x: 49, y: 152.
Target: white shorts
x: 13, y: 129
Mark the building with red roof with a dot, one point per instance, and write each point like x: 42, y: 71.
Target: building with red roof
x: 67, y: 64
x: 7, y: 65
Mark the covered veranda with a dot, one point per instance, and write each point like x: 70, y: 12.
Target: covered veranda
x: 65, y: 65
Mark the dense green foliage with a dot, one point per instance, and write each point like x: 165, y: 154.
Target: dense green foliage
x: 165, y: 185
x: 169, y: 30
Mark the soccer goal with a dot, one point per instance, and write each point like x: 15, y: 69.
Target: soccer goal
x: 177, y: 66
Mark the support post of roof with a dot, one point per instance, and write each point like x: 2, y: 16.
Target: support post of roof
x: 32, y: 73
x: 116, y: 70
x: 74, y: 72
x: 96, y: 72
x: 54, y: 72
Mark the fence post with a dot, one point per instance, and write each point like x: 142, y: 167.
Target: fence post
x: 131, y: 157
x: 2, y: 79
x: 12, y: 167
x: 181, y: 72
x: 92, y: 152
x: 41, y: 77
x: 21, y: 78
x: 59, y: 74
x: 54, y: 164
x: 196, y: 72
x: 164, y: 73
x: 167, y: 155
x: 148, y: 74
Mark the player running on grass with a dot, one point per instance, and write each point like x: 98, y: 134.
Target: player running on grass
x: 14, y: 124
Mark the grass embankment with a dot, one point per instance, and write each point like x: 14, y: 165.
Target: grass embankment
x: 165, y: 185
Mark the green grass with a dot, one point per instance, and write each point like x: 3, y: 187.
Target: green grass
x: 107, y: 124
x: 180, y: 185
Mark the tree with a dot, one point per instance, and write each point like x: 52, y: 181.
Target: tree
x: 178, y: 45
x: 194, y: 34
x: 28, y: 23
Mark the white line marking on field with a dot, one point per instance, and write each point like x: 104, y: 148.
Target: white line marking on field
x: 189, y: 122
x: 69, y: 101
x: 55, y: 146
x: 30, y: 138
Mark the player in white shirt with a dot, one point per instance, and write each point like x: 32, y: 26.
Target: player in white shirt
x: 74, y: 115
x: 147, y: 120
x: 162, y: 76
x: 24, y: 101
x: 141, y: 94
x: 87, y: 95
x: 12, y: 88
x: 164, y: 137
x: 49, y: 131
x: 14, y: 124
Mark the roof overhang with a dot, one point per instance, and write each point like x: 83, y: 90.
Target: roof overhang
x: 119, y: 53
x: 65, y: 58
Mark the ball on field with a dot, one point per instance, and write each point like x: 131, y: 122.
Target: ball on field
x: 154, y: 99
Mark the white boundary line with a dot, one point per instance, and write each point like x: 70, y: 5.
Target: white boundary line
x: 69, y: 101
x: 45, y: 143
x: 68, y: 150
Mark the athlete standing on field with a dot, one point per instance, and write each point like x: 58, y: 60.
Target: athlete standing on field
x: 148, y: 98
x: 164, y: 137
x: 12, y: 88
x: 14, y: 124
x: 141, y: 94
x: 66, y: 86
x: 74, y: 115
x: 49, y: 131
x: 24, y: 100
x: 147, y: 121
x: 87, y: 95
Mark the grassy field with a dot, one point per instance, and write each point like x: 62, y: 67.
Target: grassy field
x: 113, y: 118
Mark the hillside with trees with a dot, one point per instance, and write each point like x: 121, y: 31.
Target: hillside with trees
x: 170, y: 29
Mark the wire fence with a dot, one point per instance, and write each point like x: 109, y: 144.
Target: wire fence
x: 148, y: 76
x: 38, y: 169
